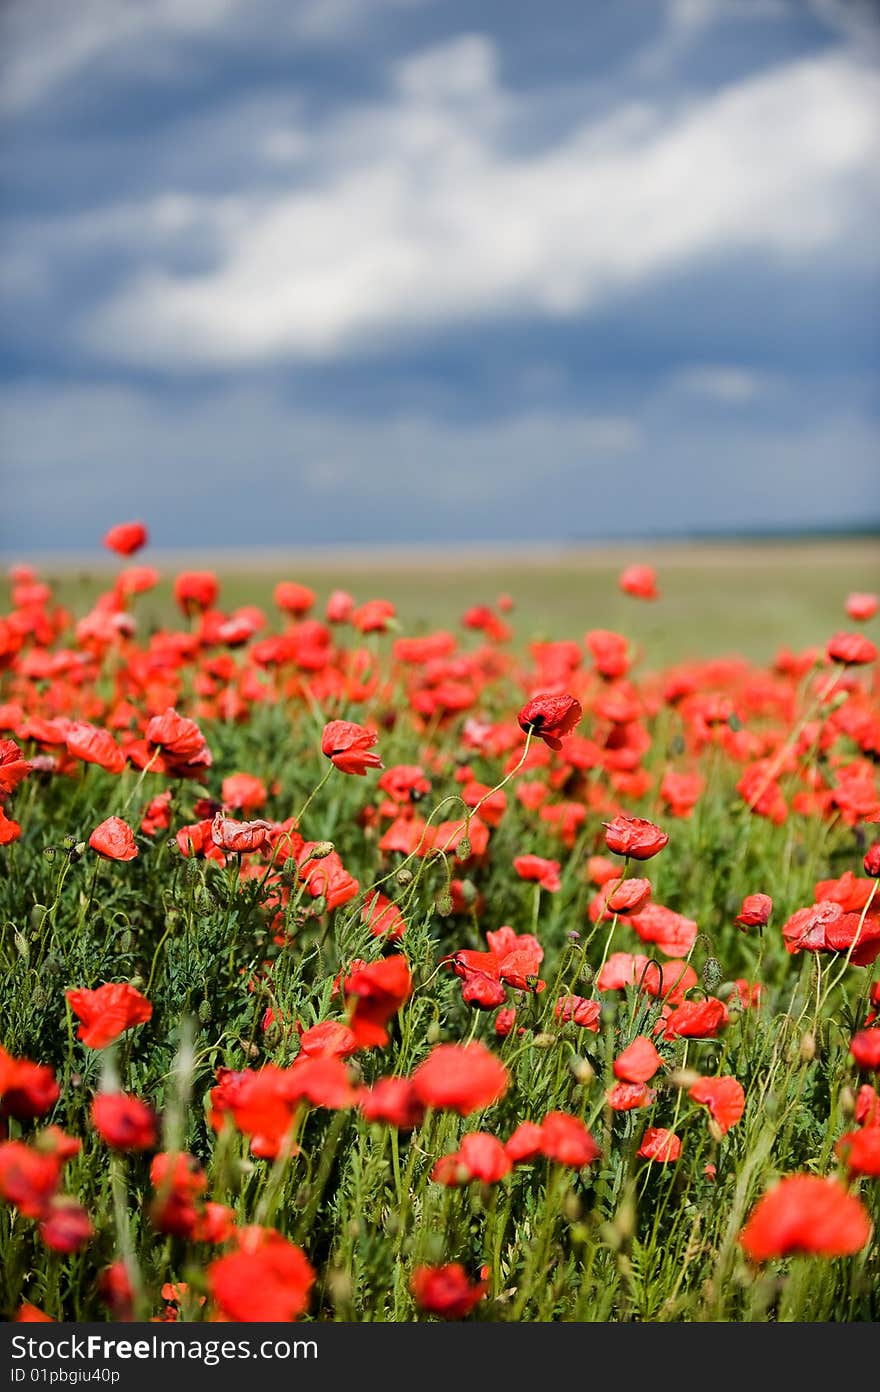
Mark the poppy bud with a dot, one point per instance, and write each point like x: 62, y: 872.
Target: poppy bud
x: 433, y: 1032
x: 684, y: 1077
x: 206, y: 1014
x: 572, y: 1206
x: 583, y: 1071
x: 712, y: 973
x: 463, y: 849
x: 319, y: 906
x: 544, y: 1040
x: 715, y: 1130
x: 404, y: 877
x: 444, y: 904
x: 321, y: 851
x: 847, y: 1101
x: 808, y: 1047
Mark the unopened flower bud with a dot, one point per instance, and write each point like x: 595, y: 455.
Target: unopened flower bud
x: 847, y: 1101
x: 712, y: 973
x: 684, y: 1077
x: 463, y: 849
x: 404, y: 877
x: 321, y: 850
x: 583, y: 1071
x: 715, y: 1131
x: 544, y: 1040
x: 807, y: 1049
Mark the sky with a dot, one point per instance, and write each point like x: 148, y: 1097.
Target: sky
x: 313, y: 272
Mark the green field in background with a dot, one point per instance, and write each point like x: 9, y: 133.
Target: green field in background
x: 746, y: 598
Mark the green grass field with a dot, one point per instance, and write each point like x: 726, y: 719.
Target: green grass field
x: 717, y: 598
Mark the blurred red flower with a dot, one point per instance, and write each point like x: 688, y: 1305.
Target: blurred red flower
x: 107, y: 1012
x: 126, y: 538
x: 446, y: 1290
x: 123, y: 1121
x: 809, y: 1214
x: 462, y: 1077
x: 268, y: 1279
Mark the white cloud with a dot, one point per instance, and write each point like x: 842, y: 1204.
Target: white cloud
x: 728, y: 385
x: 418, y: 213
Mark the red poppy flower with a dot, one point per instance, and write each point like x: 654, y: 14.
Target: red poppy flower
x: 872, y: 861
x: 624, y: 969
x: 620, y: 897
x: 480, y: 1156
x: 634, y: 837
x: 108, y: 1012
x: 13, y: 768
x: 696, y: 1019
x: 566, y: 1140
x: 534, y: 867
x: 667, y: 930
x: 244, y: 792
x: 625, y: 1097
x: 114, y: 840
x: 126, y: 538
x: 124, y: 1122
x: 348, y: 746
x: 94, y: 746
x: 239, y: 837
x: 660, y: 1145
x: 867, y: 1106
x: 392, y: 1100
x: 31, y: 1314
x: 117, y: 1290
x: 550, y: 717
x: 479, y: 972
x: 378, y: 990
x: 865, y: 1048
x: 638, y: 1062
x: 28, y: 1177
x: 66, y: 1226
x: 446, y: 1290
x: 178, y: 1181
x: 196, y: 590
x: 26, y: 1089
x: 852, y: 649
x: 374, y: 616
x: 861, y: 606
x: 526, y: 1143
x: 724, y: 1098
x: 339, y: 607
x: 462, y: 1077
x: 293, y: 598
x: 755, y: 912
x: 383, y: 916
x: 9, y: 830
x: 860, y: 1151
x: 579, y: 1010
x: 805, y: 1213
x: 640, y: 581
x: 267, y: 1280
x: 329, y: 1039
x: 182, y: 744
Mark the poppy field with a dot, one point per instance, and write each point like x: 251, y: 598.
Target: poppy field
x: 365, y: 974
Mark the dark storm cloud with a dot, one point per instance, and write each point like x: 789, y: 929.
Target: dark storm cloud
x: 396, y: 270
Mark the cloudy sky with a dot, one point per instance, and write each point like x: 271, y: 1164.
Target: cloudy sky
x: 316, y: 271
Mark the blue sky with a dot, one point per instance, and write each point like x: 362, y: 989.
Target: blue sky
x: 368, y: 271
